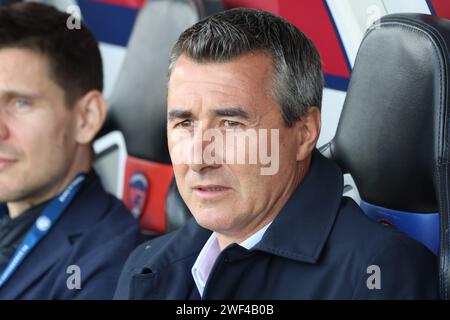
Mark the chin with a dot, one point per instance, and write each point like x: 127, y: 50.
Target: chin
x: 214, y: 219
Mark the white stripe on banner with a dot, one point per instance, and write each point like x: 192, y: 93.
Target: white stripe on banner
x: 400, y: 6
x: 332, y: 103
x: 352, y: 18
x: 113, y: 57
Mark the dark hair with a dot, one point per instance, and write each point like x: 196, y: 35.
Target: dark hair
x: 298, y: 80
x: 73, y: 54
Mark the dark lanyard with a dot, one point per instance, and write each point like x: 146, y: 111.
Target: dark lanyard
x: 41, y: 227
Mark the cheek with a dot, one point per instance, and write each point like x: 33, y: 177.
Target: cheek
x: 46, y: 144
x: 254, y: 189
x: 180, y: 176
x: 52, y: 142
x: 41, y: 138
x: 180, y: 169
x: 287, y: 153
x: 245, y: 180
x: 64, y: 130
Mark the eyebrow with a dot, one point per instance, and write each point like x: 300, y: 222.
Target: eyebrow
x: 222, y: 112
x: 231, y: 112
x: 15, y: 93
x: 179, y: 114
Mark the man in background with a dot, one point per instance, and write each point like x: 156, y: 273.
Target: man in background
x: 61, y: 235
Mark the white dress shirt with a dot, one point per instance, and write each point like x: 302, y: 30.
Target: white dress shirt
x: 211, y: 250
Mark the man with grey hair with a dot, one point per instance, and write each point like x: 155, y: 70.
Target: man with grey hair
x: 287, y: 234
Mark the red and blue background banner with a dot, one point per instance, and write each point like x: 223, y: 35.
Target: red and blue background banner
x: 112, y: 22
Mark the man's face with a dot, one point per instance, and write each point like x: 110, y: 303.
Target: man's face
x: 36, y: 127
x: 233, y: 199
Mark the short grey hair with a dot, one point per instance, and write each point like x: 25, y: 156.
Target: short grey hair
x: 298, y: 79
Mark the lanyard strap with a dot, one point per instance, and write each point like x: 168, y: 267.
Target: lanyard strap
x: 41, y: 227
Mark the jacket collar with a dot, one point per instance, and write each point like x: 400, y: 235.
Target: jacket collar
x: 82, y: 213
x: 302, y: 227
x: 77, y: 218
x: 299, y: 232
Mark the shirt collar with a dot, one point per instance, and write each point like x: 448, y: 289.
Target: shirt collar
x: 211, y: 250
x: 255, y: 238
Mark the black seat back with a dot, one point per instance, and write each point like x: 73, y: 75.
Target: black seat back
x: 393, y: 134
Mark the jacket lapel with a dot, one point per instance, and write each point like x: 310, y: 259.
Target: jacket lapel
x: 166, y: 273
x: 302, y: 227
x: 77, y: 218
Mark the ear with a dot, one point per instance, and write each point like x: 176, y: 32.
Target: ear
x: 308, y: 130
x: 91, y: 112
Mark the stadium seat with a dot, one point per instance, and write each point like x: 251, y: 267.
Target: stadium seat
x: 131, y: 150
x: 393, y: 134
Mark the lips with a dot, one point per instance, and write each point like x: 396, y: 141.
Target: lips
x: 211, y: 191
x: 210, y: 188
x: 5, y: 163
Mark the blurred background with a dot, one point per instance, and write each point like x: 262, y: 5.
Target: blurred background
x: 335, y: 26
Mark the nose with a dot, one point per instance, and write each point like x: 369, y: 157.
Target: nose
x: 204, y: 167
x: 207, y: 155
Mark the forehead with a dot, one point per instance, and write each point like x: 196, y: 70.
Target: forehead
x: 245, y: 77
x: 22, y: 68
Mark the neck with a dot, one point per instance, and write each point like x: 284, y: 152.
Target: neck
x: 16, y: 208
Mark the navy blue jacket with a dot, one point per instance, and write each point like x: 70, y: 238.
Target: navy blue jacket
x: 96, y: 232
x: 320, y: 246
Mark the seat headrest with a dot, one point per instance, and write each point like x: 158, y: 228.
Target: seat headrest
x: 177, y: 212
x: 137, y: 106
x: 393, y: 130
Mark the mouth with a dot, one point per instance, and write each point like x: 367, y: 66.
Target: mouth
x: 6, y: 163
x: 211, y: 191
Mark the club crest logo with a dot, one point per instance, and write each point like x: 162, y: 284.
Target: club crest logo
x: 137, y: 193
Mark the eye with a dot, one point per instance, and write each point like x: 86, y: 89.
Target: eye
x: 231, y: 124
x: 184, y: 124
x: 21, y: 103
